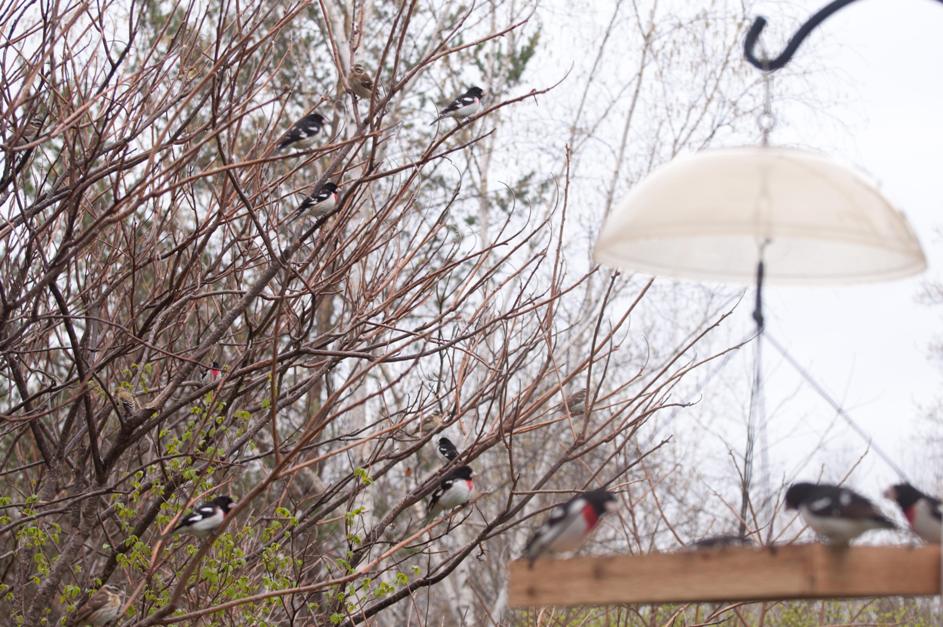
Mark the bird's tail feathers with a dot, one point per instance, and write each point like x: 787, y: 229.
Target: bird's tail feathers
x: 533, y: 550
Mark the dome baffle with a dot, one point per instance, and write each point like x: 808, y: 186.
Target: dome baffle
x: 704, y: 216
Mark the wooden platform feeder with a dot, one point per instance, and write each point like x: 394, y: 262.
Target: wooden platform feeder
x: 808, y: 571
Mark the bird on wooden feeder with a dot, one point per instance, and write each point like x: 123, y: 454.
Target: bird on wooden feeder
x: 835, y: 513
x: 923, y: 512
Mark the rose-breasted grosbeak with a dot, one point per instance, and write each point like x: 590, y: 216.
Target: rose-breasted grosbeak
x: 213, y: 371
x: 455, y: 489
x: 835, y: 513
x: 100, y: 609
x: 570, y: 524
x: 716, y: 542
x: 922, y: 511
x: 447, y: 449
x: 127, y: 400
x: 359, y: 82
x: 321, y: 202
x: 302, y: 130
x: 206, y: 518
x: 465, y: 105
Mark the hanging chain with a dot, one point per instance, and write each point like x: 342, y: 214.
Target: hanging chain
x: 766, y: 120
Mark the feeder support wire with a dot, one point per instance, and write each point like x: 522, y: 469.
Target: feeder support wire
x: 836, y: 406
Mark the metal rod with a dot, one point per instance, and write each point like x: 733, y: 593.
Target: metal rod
x: 771, y: 65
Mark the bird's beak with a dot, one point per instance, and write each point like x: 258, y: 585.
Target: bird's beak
x: 612, y: 506
x: 890, y: 493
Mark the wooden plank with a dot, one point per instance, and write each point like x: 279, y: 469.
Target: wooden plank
x: 807, y: 571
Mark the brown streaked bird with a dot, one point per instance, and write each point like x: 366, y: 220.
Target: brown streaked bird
x: 127, y: 400
x: 100, y: 609
x: 575, y: 402
x: 359, y: 82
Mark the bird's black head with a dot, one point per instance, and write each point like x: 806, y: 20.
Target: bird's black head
x: 799, y: 493
x: 225, y: 503
x: 475, y: 92
x: 462, y: 472
x: 904, y: 494
x: 329, y: 187
x: 602, y: 500
x: 215, y: 365
x: 318, y: 119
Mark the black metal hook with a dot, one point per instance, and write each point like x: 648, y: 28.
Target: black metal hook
x: 771, y: 65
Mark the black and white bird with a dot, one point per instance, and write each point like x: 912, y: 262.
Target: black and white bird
x: 455, y: 488
x: 835, y: 513
x: 214, y: 372
x: 206, y: 518
x: 922, y: 511
x: 302, y: 130
x: 447, y: 449
x: 321, y: 202
x: 465, y: 105
x: 100, y: 609
x: 570, y: 524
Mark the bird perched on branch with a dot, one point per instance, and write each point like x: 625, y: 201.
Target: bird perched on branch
x: 359, y: 82
x: 100, y: 609
x: 302, y: 130
x: 570, y: 524
x: 837, y: 514
x: 455, y: 488
x: 206, y: 518
x: 923, y: 512
x: 447, y: 449
x: 465, y: 105
x: 127, y: 400
x: 575, y: 403
x: 321, y: 202
x: 214, y: 372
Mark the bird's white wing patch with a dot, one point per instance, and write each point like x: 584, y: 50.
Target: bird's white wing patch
x: 557, y: 513
x: 819, y: 506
